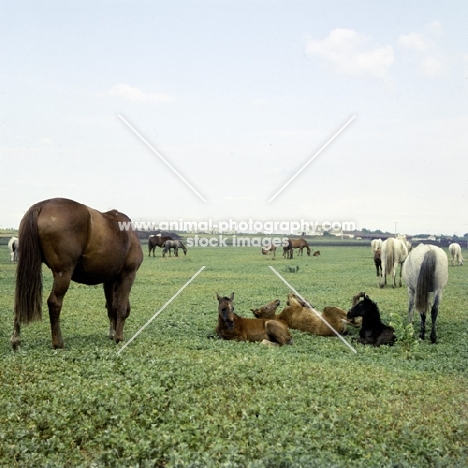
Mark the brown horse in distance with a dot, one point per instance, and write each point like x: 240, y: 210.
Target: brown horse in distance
x: 77, y: 243
x: 156, y: 241
x: 297, y: 244
x: 233, y: 327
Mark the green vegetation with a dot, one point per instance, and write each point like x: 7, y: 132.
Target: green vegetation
x: 176, y: 398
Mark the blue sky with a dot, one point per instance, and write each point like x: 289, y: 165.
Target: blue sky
x: 237, y: 96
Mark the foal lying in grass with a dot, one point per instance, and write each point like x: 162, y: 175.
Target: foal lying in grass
x: 297, y: 315
x: 233, y: 327
x: 372, y: 331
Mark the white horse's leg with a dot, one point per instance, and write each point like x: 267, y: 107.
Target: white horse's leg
x: 410, y: 305
x: 434, y: 314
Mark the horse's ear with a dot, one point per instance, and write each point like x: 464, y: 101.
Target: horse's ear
x: 218, y: 297
x: 232, y: 297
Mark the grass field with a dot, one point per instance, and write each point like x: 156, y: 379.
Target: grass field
x: 176, y: 398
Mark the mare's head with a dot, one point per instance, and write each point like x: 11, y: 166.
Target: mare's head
x: 363, y: 308
x: 267, y: 311
x: 226, y: 310
x: 308, y: 250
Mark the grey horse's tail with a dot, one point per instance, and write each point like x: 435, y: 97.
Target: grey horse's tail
x: 425, y: 283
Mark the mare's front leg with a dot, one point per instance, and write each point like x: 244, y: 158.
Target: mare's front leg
x: 111, y: 309
x: 122, y: 304
x: 60, y: 287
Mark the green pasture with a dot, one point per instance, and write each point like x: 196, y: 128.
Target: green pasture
x: 177, y: 398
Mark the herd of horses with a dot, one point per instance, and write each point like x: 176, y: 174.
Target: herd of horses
x: 288, y: 250
x: 69, y: 238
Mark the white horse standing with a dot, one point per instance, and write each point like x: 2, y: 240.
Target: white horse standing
x: 13, y: 245
x: 456, y: 254
x: 425, y: 271
x: 393, y: 252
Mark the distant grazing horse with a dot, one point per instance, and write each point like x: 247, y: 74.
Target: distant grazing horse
x: 297, y: 315
x: 233, y: 327
x: 268, y: 250
x: 376, y: 244
x: 77, y: 243
x: 13, y: 246
x: 156, y: 241
x: 297, y: 244
x: 372, y: 331
x: 393, y: 252
x: 456, y: 254
x: 378, y: 262
x: 175, y: 245
x: 425, y: 271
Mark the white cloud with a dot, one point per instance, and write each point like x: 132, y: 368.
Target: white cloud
x: 125, y: 91
x: 429, y: 58
x: 351, y: 53
x: 432, y: 66
x: 415, y: 41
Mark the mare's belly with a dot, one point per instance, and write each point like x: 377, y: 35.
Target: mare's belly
x: 94, y: 274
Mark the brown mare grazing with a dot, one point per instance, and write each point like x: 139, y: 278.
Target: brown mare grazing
x: 378, y: 262
x: 77, y: 243
x: 297, y: 244
x: 233, y: 327
x: 268, y: 250
x: 156, y: 241
x: 298, y: 316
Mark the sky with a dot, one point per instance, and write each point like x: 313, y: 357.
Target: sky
x: 237, y: 97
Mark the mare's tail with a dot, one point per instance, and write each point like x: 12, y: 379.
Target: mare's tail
x: 28, y: 290
x: 425, y: 281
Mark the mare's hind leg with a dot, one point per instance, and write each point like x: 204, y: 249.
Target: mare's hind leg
x: 434, y: 314
x: 423, y: 325
x: 410, y: 305
x: 54, y: 302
